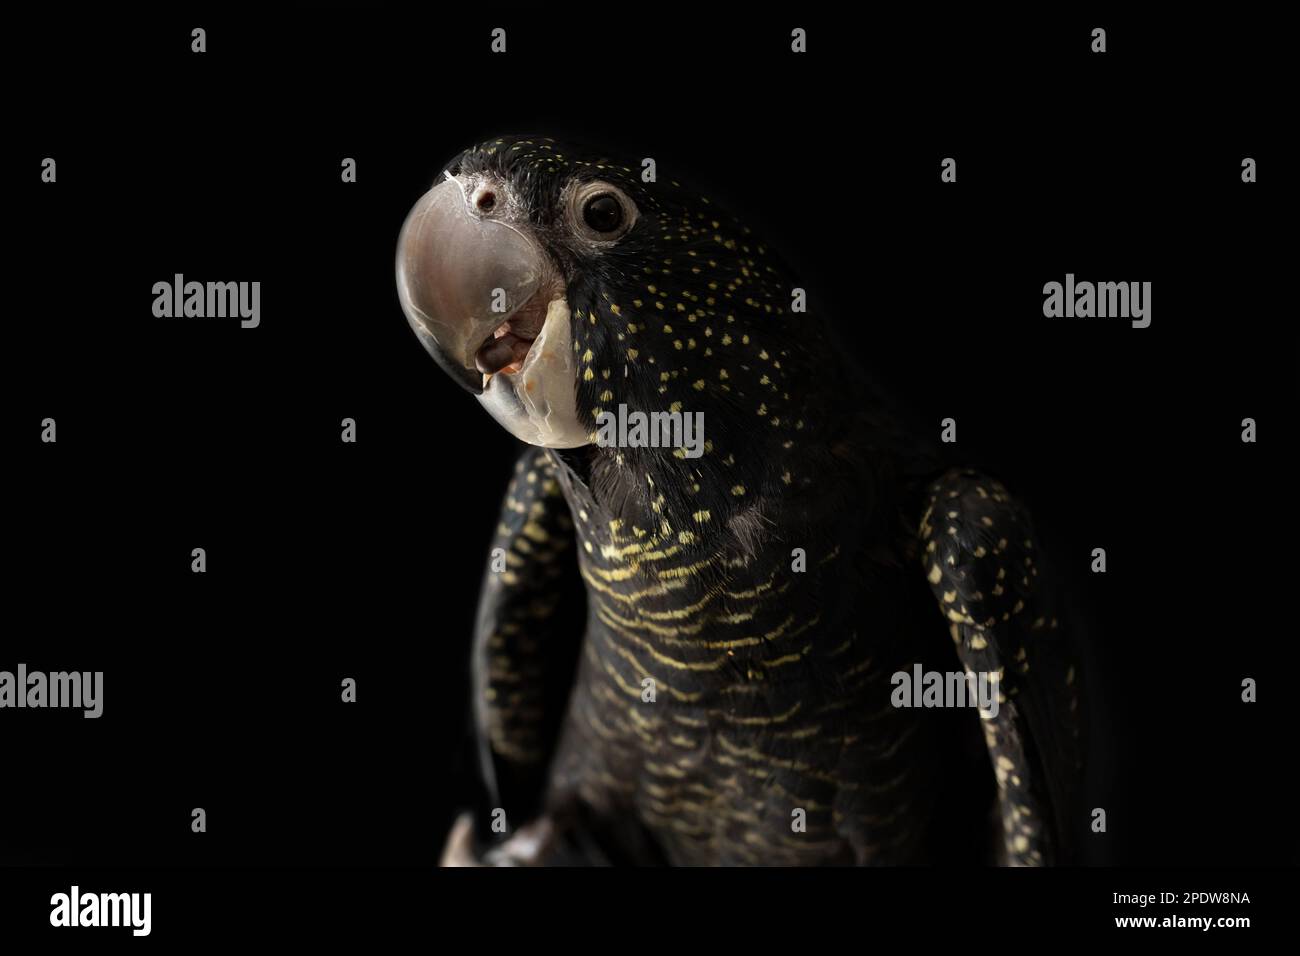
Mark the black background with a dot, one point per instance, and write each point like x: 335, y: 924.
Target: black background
x: 328, y: 560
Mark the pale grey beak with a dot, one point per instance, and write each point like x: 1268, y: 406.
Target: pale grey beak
x: 483, y: 299
x: 459, y: 277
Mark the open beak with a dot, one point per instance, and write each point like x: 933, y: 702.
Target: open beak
x: 484, y: 300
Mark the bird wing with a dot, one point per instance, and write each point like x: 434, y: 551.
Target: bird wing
x: 982, y: 562
x: 527, y: 637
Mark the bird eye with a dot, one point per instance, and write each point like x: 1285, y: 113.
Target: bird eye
x: 603, y: 213
x: 600, y: 212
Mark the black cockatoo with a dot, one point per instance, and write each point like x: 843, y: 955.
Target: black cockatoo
x: 752, y: 603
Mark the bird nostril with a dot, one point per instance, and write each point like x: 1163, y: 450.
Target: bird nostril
x: 486, y: 201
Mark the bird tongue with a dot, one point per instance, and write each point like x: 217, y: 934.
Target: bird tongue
x: 502, y: 352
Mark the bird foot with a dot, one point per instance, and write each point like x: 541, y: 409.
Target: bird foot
x: 527, y: 846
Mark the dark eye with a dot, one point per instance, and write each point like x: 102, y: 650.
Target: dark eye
x: 603, y: 213
x: 599, y: 213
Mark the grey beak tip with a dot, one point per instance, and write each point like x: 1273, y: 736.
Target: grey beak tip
x: 468, y: 379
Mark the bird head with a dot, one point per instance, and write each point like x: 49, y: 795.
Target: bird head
x: 555, y: 283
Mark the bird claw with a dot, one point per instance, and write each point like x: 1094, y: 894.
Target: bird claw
x: 528, y: 846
